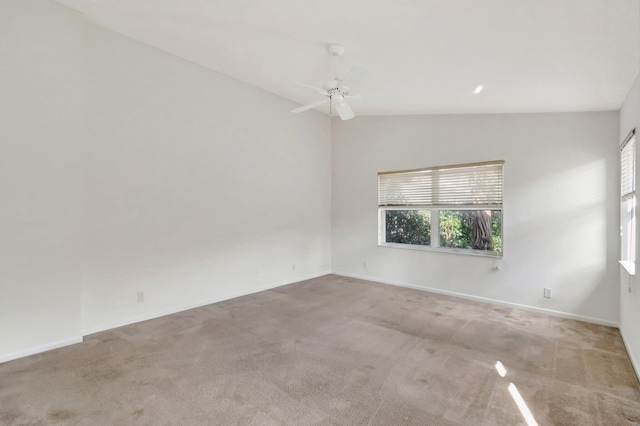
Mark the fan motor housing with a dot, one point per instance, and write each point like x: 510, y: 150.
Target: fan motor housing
x: 334, y: 86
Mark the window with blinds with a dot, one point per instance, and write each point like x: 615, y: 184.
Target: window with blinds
x: 451, y: 208
x: 628, y: 203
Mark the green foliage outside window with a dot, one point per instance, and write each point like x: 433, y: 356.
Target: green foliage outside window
x: 461, y: 229
x: 408, y: 227
x: 465, y: 229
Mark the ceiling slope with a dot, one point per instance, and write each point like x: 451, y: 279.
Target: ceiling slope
x: 426, y: 56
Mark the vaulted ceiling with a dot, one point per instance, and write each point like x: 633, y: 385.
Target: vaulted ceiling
x: 425, y: 56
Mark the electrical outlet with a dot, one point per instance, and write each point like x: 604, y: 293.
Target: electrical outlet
x: 293, y: 266
x: 365, y: 264
x: 547, y: 293
x: 140, y: 296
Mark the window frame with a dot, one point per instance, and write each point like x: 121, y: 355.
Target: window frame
x: 436, y: 207
x: 628, y: 193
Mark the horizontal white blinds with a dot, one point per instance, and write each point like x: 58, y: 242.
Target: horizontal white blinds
x: 464, y: 185
x: 628, y: 168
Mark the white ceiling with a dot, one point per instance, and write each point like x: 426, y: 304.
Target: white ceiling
x: 426, y: 56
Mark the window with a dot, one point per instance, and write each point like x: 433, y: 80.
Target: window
x: 448, y: 208
x: 628, y: 203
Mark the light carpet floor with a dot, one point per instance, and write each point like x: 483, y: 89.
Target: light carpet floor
x: 331, y: 350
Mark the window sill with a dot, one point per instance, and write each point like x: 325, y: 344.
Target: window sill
x: 466, y: 252
x: 629, y: 266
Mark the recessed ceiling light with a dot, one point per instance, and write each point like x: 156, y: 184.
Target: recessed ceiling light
x: 478, y: 89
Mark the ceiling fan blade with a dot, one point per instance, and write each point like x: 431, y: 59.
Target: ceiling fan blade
x: 344, y: 110
x: 309, y: 88
x: 310, y: 106
x: 356, y: 76
x: 368, y: 97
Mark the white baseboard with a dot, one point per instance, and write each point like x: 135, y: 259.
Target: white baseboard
x: 487, y: 300
x: 40, y: 348
x: 634, y: 363
x: 176, y: 309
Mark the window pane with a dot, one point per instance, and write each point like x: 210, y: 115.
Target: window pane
x: 471, y: 229
x: 408, y: 227
x: 627, y: 225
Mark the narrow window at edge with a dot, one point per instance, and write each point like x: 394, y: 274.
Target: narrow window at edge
x: 628, y: 203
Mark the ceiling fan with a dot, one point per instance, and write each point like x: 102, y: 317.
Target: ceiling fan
x: 337, y: 90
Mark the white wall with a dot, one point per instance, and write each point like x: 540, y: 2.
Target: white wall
x: 630, y: 300
x: 198, y: 187
x: 560, y: 210
x: 41, y: 208
x: 125, y: 169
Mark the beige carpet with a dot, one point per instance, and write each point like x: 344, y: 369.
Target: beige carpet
x: 332, y: 350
